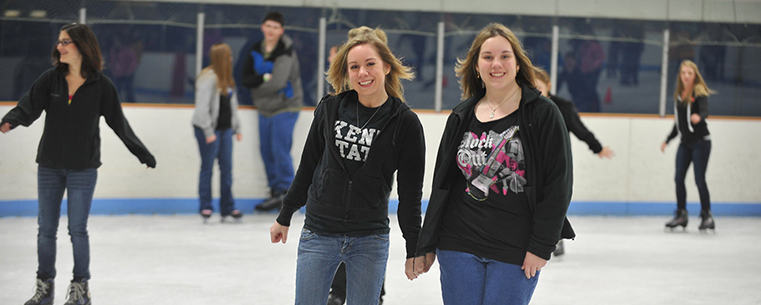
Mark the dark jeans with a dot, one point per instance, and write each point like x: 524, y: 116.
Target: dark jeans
x: 338, y: 287
x: 275, y: 140
x: 221, y: 150
x: 79, y: 186
x: 696, y: 153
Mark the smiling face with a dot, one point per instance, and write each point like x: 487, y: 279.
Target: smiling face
x: 367, y: 73
x: 69, y: 54
x: 497, y: 65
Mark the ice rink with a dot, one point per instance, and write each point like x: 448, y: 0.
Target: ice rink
x: 175, y: 259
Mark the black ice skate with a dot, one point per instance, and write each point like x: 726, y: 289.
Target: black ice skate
x: 79, y: 293
x: 206, y: 214
x: 559, y: 249
x: 235, y: 215
x: 680, y: 219
x: 275, y: 202
x: 44, y: 293
x: 706, y: 222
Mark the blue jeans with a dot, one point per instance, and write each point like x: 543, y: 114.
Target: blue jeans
x: 222, y: 150
x: 319, y: 256
x: 467, y: 279
x: 697, y: 154
x: 79, y: 186
x: 275, y: 140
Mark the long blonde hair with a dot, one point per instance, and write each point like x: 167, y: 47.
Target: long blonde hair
x: 221, y: 63
x: 338, y: 73
x: 699, y: 87
x: 465, y: 69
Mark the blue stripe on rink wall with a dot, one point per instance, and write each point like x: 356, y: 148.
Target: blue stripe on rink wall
x: 28, y: 208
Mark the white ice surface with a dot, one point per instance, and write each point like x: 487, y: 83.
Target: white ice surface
x: 177, y: 260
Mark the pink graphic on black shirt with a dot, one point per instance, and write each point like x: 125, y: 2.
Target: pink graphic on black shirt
x: 492, y: 161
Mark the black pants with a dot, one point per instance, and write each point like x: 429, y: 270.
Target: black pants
x: 338, y: 287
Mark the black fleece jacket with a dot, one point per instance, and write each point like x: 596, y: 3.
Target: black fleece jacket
x: 574, y: 124
x: 71, y: 137
x: 549, y: 172
x: 323, y: 185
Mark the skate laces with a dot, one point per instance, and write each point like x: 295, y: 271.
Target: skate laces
x: 76, y: 291
x: 41, y: 290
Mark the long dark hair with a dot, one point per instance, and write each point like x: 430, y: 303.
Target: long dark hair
x: 87, y: 44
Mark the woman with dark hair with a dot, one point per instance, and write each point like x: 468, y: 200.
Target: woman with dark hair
x: 361, y: 137
x: 74, y: 95
x: 690, y: 113
x: 502, y: 182
x: 215, y: 121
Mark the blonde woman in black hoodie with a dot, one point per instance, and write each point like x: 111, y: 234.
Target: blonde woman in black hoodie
x: 690, y: 113
x: 360, y: 137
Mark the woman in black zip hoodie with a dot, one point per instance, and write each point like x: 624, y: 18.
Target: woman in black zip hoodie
x: 690, y: 113
x: 74, y: 95
x: 359, y: 138
x: 502, y: 182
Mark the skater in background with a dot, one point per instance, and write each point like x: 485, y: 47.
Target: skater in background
x: 271, y: 71
x: 502, y: 182
x: 584, y: 95
x: 361, y: 137
x: 572, y: 123
x: 570, y: 116
x: 74, y: 95
x: 215, y: 123
x: 690, y: 113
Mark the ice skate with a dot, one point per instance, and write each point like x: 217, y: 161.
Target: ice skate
x: 680, y: 219
x: 559, y: 249
x: 706, y: 222
x: 44, y: 293
x: 234, y: 217
x: 206, y: 214
x: 274, y: 202
x: 79, y: 294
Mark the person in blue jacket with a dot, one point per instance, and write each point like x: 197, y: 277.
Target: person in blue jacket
x: 271, y: 71
x: 74, y: 95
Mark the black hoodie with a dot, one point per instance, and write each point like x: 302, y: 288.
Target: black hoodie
x: 334, y: 199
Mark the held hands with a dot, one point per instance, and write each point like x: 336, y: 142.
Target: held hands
x: 414, y: 267
x: 5, y: 127
x: 532, y: 264
x: 278, y: 233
